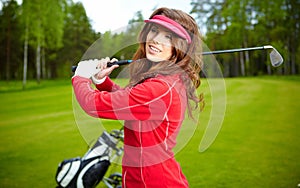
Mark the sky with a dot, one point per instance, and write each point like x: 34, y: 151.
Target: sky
x: 112, y: 15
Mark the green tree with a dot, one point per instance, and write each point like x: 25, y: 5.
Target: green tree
x: 78, y: 36
x: 10, y: 40
x: 33, y: 15
x: 43, y: 29
x: 53, y: 29
x: 269, y: 26
x: 292, y: 35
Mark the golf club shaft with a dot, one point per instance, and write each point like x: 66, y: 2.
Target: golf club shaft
x: 237, y: 50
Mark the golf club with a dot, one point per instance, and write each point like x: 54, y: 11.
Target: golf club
x: 275, y: 57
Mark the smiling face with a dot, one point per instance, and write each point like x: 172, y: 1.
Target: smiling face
x: 159, y: 44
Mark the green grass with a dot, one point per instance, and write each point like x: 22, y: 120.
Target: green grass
x: 257, y: 146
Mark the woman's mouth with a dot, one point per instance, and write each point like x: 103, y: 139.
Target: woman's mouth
x: 153, y: 49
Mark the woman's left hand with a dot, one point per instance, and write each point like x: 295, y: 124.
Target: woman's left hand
x: 103, y: 69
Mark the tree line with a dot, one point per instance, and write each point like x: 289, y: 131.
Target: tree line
x: 250, y: 23
x: 43, y: 39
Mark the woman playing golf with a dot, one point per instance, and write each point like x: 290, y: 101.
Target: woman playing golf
x: 164, y: 76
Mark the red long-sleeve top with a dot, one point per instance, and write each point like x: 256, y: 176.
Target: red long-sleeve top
x: 153, y: 112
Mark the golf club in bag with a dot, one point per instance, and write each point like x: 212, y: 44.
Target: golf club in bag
x: 89, y: 170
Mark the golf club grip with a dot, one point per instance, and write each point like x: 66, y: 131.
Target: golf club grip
x: 121, y: 62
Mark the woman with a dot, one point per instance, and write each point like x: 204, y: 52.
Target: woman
x: 164, y: 77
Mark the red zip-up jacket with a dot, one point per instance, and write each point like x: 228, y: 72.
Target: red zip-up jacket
x: 153, y: 112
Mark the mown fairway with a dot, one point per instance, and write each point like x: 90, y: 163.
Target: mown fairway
x: 257, y: 146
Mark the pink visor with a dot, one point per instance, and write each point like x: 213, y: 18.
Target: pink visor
x: 172, y: 25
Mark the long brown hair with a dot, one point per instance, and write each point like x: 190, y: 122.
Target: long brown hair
x: 186, y: 59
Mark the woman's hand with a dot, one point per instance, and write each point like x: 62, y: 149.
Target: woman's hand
x: 87, y: 68
x: 103, y: 69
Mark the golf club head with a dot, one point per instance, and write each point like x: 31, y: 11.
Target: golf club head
x: 275, y: 58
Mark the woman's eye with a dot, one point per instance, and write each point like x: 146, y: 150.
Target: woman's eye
x: 169, y: 36
x: 153, y: 30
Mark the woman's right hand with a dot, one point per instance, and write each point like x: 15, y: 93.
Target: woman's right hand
x: 103, y: 69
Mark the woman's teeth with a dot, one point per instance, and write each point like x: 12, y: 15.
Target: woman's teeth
x: 154, y: 49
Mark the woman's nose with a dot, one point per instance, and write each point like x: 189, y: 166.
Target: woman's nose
x: 158, y: 38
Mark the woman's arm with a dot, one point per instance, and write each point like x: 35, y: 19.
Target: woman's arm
x: 150, y: 100
x: 106, y: 85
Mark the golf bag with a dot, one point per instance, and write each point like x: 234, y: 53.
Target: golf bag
x: 88, y: 171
